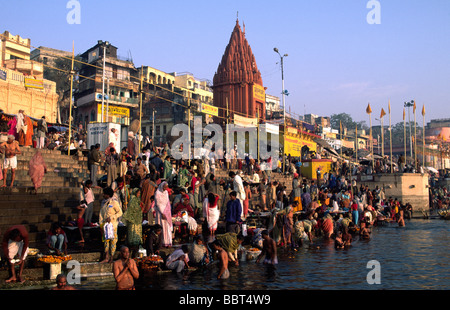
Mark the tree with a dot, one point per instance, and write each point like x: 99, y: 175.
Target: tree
x: 344, y: 118
x: 59, y: 72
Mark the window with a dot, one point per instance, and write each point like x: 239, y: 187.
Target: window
x: 158, y: 130
x: 164, y: 129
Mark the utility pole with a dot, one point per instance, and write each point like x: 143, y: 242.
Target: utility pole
x: 103, y: 82
x: 71, y: 96
x: 153, y: 125
x: 283, y: 94
x: 228, y: 117
x: 189, y: 131
x: 107, y: 100
x: 140, y: 110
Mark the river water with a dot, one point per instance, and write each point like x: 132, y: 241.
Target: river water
x: 414, y: 257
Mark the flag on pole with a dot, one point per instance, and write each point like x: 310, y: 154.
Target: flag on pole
x: 382, y: 113
x: 368, y: 110
x: 389, y: 106
x: 414, y: 107
x: 423, y: 110
x: 403, y: 113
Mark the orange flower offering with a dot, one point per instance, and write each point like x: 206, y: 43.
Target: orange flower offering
x: 149, y: 262
x: 54, y: 259
x: 254, y: 250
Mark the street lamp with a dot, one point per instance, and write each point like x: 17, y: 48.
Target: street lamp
x: 105, y: 44
x: 408, y: 105
x: 283, y: 93
x: 382, y: 137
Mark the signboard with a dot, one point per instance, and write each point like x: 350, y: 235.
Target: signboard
x: 270, y: 128
x: 259, y: 93
x: 348, y: 144
x: 34, y: 83
x: 245, y: 121
x: 292, y: 130
x: 209, y: 109
x: 113, y: 111
x: 293, y: 145
x: 3, y: 75
x: 101, y: 133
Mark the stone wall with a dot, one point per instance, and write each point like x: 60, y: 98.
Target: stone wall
x: 406, y: 187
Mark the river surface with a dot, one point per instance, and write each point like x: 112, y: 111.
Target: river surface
x: 414, y: 257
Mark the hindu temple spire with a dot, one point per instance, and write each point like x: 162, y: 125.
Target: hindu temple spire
x: 238, y: 75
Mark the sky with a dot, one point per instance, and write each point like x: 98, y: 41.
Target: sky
x: 337, y: 61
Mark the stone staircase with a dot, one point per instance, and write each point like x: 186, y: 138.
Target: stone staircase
x: 62, y: 170
x: 38, y: 211
x: 53, y: 202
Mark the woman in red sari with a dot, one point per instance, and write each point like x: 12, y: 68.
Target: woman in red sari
x: 327, y: 226
x: 37, y: 169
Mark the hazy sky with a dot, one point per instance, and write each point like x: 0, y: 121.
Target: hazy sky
x: 337, y: 61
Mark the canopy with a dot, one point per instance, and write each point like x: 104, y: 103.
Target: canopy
x: 434, y: 170
x: 326, y: 146
x: 57, y: 129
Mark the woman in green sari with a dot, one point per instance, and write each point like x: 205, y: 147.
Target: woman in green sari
x: 167, y: 169
x: 133, y: 220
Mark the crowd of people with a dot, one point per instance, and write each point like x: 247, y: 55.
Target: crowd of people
x: 164, y: 202
x: 184, y: 202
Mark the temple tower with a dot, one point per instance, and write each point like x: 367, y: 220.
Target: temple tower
x: 238, y: 81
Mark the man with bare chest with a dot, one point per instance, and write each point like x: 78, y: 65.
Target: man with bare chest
x: 125, y: 270
x: 10, y: 148
x: 222, y: 257
x: 269, y: 250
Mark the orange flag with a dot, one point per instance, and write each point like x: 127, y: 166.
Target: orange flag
x: 403, y: 113
x: 368, y: 110
x: 382, y: 113
x: 423, y: 110
x: 414, y: 107
x: 389, y: 106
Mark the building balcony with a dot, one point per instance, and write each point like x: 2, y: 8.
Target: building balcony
x: 27, y: 67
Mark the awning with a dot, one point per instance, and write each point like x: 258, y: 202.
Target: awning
x: 326, y: 146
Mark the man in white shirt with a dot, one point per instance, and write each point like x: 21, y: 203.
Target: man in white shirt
x: 238, y: 187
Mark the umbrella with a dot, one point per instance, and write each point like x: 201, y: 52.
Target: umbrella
x: 57, y: 129
x: 434, y: 170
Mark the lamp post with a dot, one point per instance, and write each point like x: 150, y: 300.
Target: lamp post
x: 408, y: 105
x: 105, y: 44
x: 153, y: 125
x: 284, y: 105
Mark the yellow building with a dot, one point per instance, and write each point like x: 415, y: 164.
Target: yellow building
x: 310, y: 166
x: 22, y: 86
x: 296, y: 139
x: 155, y: 76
